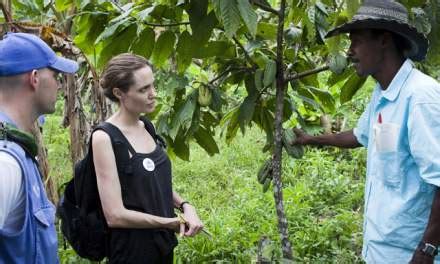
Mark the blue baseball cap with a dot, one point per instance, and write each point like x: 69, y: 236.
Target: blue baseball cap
x: 23, y: 52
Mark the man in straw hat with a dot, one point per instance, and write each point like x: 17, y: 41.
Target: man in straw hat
x: 401, y: 129
x: 29, y: 71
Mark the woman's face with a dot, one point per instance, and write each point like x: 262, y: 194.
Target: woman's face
x: 141, y: 96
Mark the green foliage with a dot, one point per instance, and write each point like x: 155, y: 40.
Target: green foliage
x: 323, y: 199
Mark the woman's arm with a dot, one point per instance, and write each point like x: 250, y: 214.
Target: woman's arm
x: 190, y: 215
x: 109, y: 189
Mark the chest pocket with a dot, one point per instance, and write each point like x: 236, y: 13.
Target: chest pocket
x: 391, y: 167
x: 46, y: 238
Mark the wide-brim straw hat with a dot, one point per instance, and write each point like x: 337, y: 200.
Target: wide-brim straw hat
x: 387, y: 15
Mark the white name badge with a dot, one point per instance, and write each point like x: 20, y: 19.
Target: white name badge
x: 148, y: 164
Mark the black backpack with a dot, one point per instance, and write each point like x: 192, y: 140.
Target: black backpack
x: 82, y: 220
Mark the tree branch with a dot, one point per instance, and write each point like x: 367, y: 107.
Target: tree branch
x: 305, y: 73
x: 265, y: 7
x: 225, y: 72
x: 165, y: 25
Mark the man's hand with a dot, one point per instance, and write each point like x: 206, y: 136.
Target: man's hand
x: 421, y: 258
x: 192, y: 221
x: 302, y: 138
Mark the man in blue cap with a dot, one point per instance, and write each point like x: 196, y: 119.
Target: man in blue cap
x: 401, y: 129
x: 29, y: 71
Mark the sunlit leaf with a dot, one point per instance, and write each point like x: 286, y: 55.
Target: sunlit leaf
x: 164, y: 48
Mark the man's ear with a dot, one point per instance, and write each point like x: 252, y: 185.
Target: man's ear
x: 34, y: 79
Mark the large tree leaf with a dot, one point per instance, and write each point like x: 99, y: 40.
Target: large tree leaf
x: 202, y: 23
x: 335, y: 78
x: 267, y: 30
x: 181, y: 147
x: 229, y: 16
x: 324, y: 97
x: 182, y: 119
x: 88, y: 28
x: 205, y: 139
x: 248, y: 15
x: 247, y: 111
x: 117, y: 44
x: 164, y: 48
x: 265, y: 120
x: 184, y: 51
x: 351, y: 86
x: 144, y: 43
x: 231, y: 121
x: 219, y: 49
x: 116, y: 27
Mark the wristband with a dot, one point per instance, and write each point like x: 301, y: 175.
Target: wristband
x: 181, y: 206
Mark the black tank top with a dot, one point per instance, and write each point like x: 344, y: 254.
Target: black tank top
x: 146, y: 186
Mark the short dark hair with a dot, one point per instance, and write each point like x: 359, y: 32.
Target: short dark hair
x: 401, y: 43
x: 119, y: 73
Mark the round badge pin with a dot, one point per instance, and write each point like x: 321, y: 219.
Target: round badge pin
x: 148, y: 164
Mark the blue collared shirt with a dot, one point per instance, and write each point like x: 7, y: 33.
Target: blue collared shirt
x: 401, y: 130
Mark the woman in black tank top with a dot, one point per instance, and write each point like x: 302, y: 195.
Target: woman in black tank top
x: 136, y: 189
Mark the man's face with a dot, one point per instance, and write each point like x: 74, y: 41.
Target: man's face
x: 47, y: 90
x: 365, y: 52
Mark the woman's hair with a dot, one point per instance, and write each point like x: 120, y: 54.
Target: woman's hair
x: 119, y: 73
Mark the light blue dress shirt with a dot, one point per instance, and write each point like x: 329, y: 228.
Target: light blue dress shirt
x: 401, y: 130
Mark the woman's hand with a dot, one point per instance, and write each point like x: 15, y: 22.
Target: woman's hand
x: 193, y: 223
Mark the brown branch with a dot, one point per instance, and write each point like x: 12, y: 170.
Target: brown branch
x: 265, y: 7
x: 225, y: 72
x: 306, y: 73
x: 165, y: 25
x: 6, y: 10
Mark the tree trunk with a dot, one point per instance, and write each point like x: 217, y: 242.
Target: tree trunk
x: 50, y: 184
x: 74, y: 118
x: 278, y: 188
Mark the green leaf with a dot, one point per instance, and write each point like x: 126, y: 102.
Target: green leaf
x: 229, y: 15
x: 231, y: 120
x: 267, y: 30
x: 248, y: 15
x: 326, y: 99
x: 184, y: 51
x: 351, y: 86
x: 144, y: 43
x: 201, y: 23
x: 220, y: 49
x: 337, y: 63
x: 164, y: 48
x: 88, y: 28
x: 247, y: 111
x: 182, y: 119
x: 352, y: 7
x: 181, y: 148
x: 336, y: 78
x: 114, y: 29
x: 63, y: 5
x: 270, y: 72
x: 265, y: 120
x: 117, y: 44
x: 205, y: 139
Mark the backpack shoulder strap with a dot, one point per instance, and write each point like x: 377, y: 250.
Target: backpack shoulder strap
x: 115, y: 135
x: 152, y: 131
